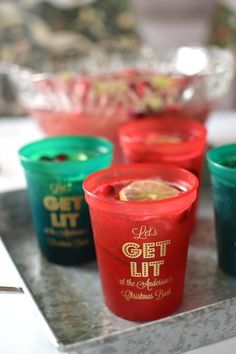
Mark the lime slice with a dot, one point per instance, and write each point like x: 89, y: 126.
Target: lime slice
x: 163, y: 139
x: 82, y: 157
x: 147, y: 189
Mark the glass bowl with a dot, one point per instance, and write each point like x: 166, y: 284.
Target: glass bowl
x: 105, y: 91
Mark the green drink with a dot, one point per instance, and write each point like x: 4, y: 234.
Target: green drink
x: 55, y: 169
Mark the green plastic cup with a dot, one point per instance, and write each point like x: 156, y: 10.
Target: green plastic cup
x: 59, y: 211
x: 222, y: 166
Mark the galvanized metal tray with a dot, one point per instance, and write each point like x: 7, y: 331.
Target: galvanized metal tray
x: 71, y: 301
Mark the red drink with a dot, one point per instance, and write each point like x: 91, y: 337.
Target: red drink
x: 69, y: 123
x: 161, y: 96
x: 80, y: 104
x: 198, y: 112
x: 141, y: 245
x: 144, y: 141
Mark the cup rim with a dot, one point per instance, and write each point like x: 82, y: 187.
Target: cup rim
x: 65, y: 167
x: 216, y: 167
x: 190, y: 127
x: 160, y: 207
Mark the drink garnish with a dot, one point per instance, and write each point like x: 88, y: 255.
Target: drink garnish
x: 148, y: 189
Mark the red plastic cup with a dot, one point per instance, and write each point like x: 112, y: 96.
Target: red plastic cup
x: 188, y: 153
x: 142, y: 246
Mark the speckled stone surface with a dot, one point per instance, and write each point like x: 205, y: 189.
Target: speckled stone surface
x: 71, y: 300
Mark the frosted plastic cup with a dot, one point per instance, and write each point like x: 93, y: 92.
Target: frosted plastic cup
x: 222, y: 166
x: 141, y: 246
x: 60, y: 213
x: 188, y: 153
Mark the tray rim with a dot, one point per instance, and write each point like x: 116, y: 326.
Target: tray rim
x: 29, y: 294
x: 115, y: 334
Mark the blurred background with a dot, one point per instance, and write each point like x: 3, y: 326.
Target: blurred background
x: 42, y: 34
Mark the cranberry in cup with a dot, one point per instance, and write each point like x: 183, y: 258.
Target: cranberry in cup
x: 140, y: 215
x: 181, y: 142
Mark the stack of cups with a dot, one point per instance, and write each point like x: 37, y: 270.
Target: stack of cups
x: 141, y: 213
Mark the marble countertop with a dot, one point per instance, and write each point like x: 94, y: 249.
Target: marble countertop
x: 23, y: 331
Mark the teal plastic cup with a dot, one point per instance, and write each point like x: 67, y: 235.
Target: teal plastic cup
x: 55, y: 169
x: 222, y: 166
